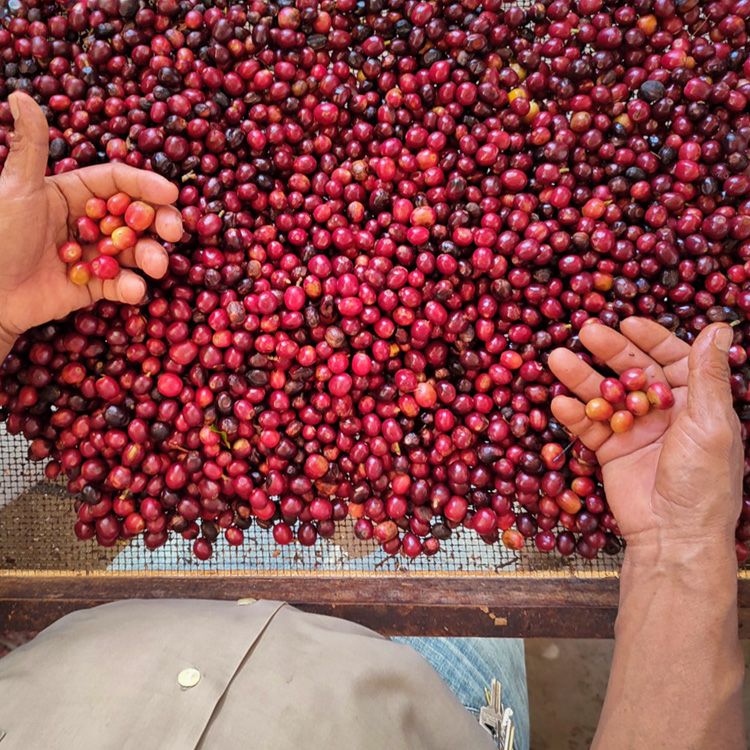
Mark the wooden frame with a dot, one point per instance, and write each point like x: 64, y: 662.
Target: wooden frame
x: 405, y: 604
x: 47, y: 573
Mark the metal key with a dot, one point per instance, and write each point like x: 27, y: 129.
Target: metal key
x: 498, y: 721
x: 507, y: 730
x: 491, y: 716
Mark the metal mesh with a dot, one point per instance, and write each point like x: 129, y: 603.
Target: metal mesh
x: 36, y: 536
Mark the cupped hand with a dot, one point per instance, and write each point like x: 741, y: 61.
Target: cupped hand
x: 676, y: 477
x: 37, y: 214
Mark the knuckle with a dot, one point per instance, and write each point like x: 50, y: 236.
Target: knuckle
x: 19, y: 142
x: 121, y: 172
x: 26, y: 141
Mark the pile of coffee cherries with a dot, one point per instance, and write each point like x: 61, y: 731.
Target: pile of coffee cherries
x: 121, y: 222
x: 394, y: 210
x: 627, y: 397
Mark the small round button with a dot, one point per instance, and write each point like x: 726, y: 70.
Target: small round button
x: 188, y: 678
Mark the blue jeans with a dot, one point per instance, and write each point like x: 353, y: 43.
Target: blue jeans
x: 467, y: 666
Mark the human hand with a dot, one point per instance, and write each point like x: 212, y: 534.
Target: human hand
x: 676, y: 477
x: 37, y: 214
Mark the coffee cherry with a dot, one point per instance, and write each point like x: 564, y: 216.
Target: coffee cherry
x: 637, y: 403
x: 139, y: 216
x: 96, y: 208
x: 202, y: 549
x: 86, y: 230
x: 634, y: 379
x: 106, y: 246
x: 621, y: 421
x: 118, y: 203
x: 599, y: 410
x: 612, y: 390
x: 660, y: 396
x: 69, y: 252
x: 512, y: 539
x: 80, y: 273
x: 169, y: 385
x: 104, y: 267
x: 124, y: 238
x: 110, y: 223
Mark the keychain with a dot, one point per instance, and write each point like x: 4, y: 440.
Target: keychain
x: 498, y: 721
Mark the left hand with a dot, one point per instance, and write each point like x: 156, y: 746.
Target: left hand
x: 675, y: 479
x: 37, y: 214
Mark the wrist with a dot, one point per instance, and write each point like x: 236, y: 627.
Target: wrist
x: 685, y: 562
x: 679, y: 545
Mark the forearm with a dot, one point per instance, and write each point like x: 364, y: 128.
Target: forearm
x: 677, y: 670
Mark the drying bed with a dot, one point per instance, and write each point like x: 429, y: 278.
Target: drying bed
x: 469, y: 588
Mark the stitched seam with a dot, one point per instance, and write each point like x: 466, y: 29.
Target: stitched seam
x: 248, y: 654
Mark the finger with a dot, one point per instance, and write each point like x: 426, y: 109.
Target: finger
x: 105, y: 180
x: 29, y: 146
x: 127, y: 287
x: 572, y: 413
x: 617, y: 351
x: 168, y: 223
x: 709, y: 392
x: 149, y: 256
x: 575, y: 374
x: 661, y: 345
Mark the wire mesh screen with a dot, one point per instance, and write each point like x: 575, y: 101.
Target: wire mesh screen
x: 36, y: 535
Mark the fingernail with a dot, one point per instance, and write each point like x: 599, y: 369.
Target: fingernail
x: 14, y: 110
x: 723, y: 339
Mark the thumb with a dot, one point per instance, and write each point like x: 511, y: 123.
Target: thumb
x: 709, y: 391
x: 27, y: 159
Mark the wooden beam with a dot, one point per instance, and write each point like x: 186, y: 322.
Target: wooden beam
x: 471, y: 605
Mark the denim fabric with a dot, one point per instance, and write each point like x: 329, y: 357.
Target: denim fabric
x: 467, y: 666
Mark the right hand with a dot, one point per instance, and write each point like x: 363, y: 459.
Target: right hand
x: 676, y: 478
x: 37, y: 214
